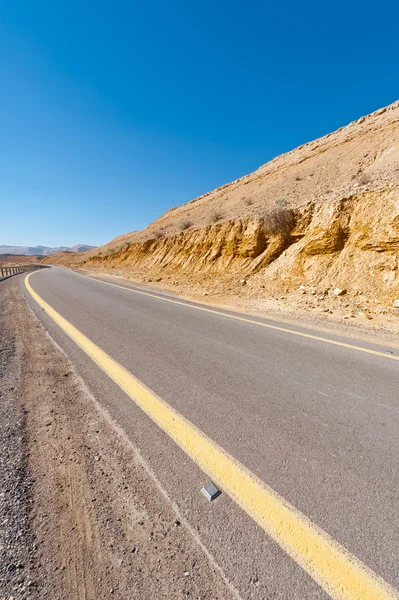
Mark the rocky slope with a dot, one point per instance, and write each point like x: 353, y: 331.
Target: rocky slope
x: 322, y: 218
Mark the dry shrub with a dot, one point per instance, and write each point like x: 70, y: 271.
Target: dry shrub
x: 280, y: 221
x: 185, y: 225
x: 281, y: 203
x: 249, y: 202
x: 364, y: 178
x: 216, y: 216
x: 158, y: 233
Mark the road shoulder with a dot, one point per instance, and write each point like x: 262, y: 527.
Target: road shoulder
x: 363, y: 330
x: 97, y: 525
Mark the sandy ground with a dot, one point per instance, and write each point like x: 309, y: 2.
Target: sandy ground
x: 81, y: 515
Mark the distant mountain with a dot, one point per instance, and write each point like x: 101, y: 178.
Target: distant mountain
x: 42, y: 250
x: 77, y: 248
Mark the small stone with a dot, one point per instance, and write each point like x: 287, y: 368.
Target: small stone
x: 187, y: 573
x: 396, y: 303
x: 243, y: 282
x: 339, y: 292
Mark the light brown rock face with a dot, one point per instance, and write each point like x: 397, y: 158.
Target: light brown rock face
x: 325, y: 215
x: 353, y: 243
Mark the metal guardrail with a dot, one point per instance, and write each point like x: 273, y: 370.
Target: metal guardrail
x: 8, y: 271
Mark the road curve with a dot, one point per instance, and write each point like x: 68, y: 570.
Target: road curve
x: 314, y: 419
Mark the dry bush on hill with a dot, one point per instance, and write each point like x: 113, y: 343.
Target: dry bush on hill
x: 364, y: 178
x: 280, y: 221
x: 216, y: 216
x: 185, y: 225
x: 281, y: 203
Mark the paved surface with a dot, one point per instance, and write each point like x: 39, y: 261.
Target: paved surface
x: 317, y: 422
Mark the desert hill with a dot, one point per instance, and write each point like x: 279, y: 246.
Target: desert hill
x: 320, y: 218
x: 11, y: 260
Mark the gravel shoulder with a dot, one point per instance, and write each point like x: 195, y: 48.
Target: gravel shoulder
x: 81, y: 515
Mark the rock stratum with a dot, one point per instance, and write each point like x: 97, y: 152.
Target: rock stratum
x: 321, y: 218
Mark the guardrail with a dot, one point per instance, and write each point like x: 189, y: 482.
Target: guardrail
x: 8, y: 271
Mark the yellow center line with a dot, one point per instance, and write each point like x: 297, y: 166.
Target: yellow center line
x: 339, y: 573
x: 247, y: 320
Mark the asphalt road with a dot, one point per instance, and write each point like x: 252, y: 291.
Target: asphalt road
x: 316, y: 422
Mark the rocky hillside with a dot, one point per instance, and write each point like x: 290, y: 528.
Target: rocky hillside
x: 321, y: 221
x: 9, y: 260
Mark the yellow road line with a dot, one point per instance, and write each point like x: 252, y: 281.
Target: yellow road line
x: 247, y: 320
x: 341, y: 575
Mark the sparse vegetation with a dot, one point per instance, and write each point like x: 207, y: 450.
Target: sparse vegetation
x: 158, y: 233
x: 185, y: 225
x: 279, y: 222
x: 282, y: 202
x: 364, y: 178
x: 216, y: 216
x: 249, y: 202
x: 298, y: 178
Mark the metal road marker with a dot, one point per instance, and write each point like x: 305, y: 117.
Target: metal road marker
x: 338, y: 572
x: 210, y: 491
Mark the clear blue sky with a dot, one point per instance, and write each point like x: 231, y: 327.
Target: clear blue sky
x: 112, y: 112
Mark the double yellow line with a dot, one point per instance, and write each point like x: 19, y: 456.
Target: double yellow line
x: 339, y: 573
